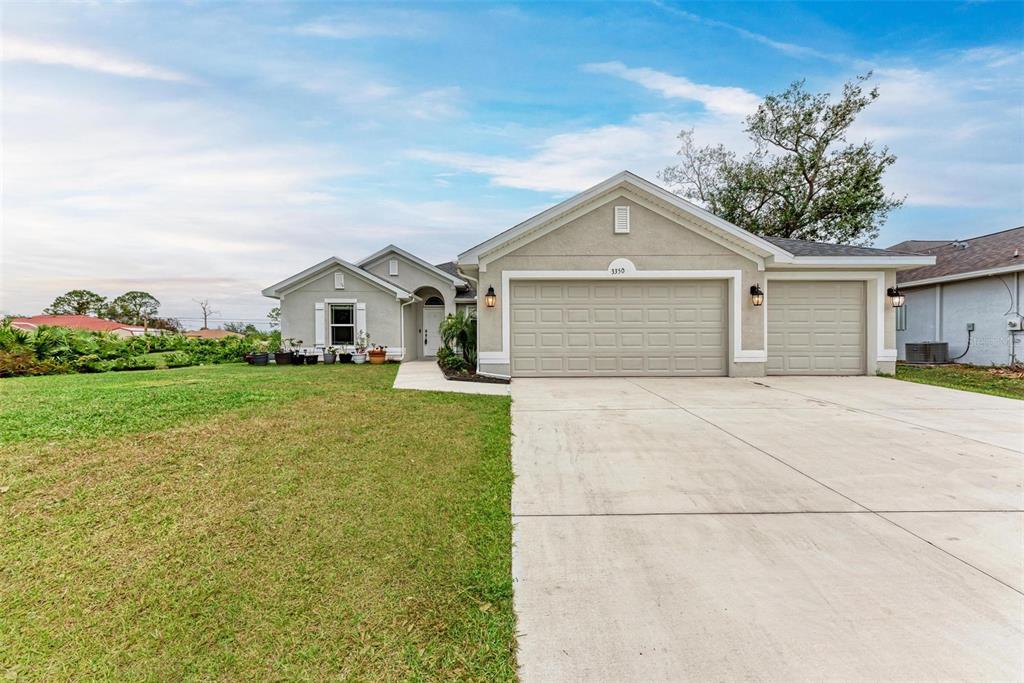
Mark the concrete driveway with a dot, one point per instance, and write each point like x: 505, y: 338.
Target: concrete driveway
x: 773, y: 529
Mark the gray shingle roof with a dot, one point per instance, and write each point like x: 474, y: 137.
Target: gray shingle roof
x: 808, y: 248
x: 467, y: 292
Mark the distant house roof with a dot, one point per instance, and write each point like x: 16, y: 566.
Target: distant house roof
x: 76, y: 322
x: 212, y: 334
x: 962, y: 259
x: 808, y: 248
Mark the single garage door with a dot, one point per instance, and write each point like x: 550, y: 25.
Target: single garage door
x: 816, y: 328
x: 581, y: 328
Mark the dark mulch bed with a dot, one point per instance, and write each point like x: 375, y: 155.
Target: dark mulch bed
x: 473, y: 377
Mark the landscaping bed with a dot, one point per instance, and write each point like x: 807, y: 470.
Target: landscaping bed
x: 468, y: 376
x: 217, y: 522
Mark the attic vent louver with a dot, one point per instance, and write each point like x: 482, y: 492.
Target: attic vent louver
x: 621, y: 220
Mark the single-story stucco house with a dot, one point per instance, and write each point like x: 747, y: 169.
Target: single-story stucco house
x: 625, y: 278
x: 974, y: 283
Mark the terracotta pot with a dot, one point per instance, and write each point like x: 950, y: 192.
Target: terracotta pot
x: 377, y: 357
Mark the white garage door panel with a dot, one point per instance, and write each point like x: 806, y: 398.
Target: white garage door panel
x: 618, y: 328
x: 816, y: 328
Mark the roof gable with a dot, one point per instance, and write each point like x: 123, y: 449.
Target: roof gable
x: 689, y: 215
x: 392, y: 249
x: 297, y: 280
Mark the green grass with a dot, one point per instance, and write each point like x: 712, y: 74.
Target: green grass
x: 234, y: 522
x: 995, y: 381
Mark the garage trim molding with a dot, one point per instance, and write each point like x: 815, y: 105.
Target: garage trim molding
x: 734, y: 277
x: 875, y: 304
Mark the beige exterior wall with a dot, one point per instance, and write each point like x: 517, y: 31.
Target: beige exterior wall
x: 298, y: 313
x: 412, y: 276
x: 654, y: 242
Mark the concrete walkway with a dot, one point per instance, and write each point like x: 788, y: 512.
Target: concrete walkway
x: 424, y: 375
x: 773, y: 529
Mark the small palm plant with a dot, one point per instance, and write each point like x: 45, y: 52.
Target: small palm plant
x: 458, y: 332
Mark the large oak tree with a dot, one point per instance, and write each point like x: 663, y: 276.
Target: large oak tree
x: 804, y: 179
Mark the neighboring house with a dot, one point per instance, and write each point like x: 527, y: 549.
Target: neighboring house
x: 207, y: 333
x: 78, y: 322
x: 625, y: 278
x: 975, y: 282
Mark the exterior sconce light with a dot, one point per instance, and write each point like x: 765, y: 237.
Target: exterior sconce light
x: 756, y: 295
x: 490, y: 298
x: 896, y: 297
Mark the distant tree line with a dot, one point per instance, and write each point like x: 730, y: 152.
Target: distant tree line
x: 131, y: 308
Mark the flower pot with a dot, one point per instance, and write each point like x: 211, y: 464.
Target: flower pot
x: 358, y: 358
x: 377, y: 357
x: 344, y: 357
x: 311, y: 359
x: 283, y: 357
x: 329, y: 358
x: 297, y: 358
x: 259, y: 358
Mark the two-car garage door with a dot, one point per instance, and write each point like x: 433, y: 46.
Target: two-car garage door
x: 584, y: 328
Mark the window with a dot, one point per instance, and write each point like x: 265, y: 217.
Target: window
x: 621, y: 220
x: 901, y: 318
x: 434, y: 301
x: 339, y: 280
x: 343, y: 325
x: 393, y: 267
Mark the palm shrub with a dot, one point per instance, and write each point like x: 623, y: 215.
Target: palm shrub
x: 458, y: 333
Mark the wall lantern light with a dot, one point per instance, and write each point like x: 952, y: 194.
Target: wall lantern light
x: 896, y: 297
x: 756, y: 295
x: 490, y: 298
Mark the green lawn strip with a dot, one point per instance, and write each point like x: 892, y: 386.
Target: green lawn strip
x: 115, y: 403
x: 358, y: 533
x: 964, y: 377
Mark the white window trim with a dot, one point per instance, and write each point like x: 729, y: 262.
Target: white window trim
x: 875, y: 307
x: 339, y: 280
x: 329, y: 337
x: 393, y: 266
x: 735, y: 320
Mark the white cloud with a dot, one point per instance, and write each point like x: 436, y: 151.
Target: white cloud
x: 955, y: 128
x: 17, y: 49
x: 791, y: 49
x: 569, y: 162
x: 724, y: 100
x: 374, y: 24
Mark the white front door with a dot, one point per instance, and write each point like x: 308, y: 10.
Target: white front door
x: 433, y: 316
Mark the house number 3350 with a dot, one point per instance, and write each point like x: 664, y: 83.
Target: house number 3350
x: 617, y: 271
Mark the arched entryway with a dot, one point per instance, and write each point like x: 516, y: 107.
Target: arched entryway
x: 431, y: 311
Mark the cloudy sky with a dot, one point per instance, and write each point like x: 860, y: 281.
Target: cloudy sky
x: 202, y: 150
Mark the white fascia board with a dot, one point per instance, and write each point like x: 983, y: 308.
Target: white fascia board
x: 901, y: 261
x: 392, y: 249
x: 472, y: 256
x: 275, y: 291
x: 963, y: 276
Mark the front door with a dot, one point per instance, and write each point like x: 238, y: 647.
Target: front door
x: 433, y: 316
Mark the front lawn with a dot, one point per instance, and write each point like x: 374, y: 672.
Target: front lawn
x: 995, y: 381
x: 238, y: 522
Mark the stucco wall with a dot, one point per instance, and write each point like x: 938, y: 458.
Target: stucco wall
x: 589, y: 243
x: 382, y: 308
x: 987, y: 302
x: 412, y: 276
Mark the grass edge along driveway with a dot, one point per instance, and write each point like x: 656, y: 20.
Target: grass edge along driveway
x: 233, y: 522
x: 981, y: 380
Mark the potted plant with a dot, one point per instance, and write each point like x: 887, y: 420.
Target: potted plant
x: 297, y: 354
x: 378, y: 354
x: 311, y: 358
x: 283, y: 356
x: 330, y: 354
x: 362, y: 342
x: 259, y: 355
x: 344, y: 356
